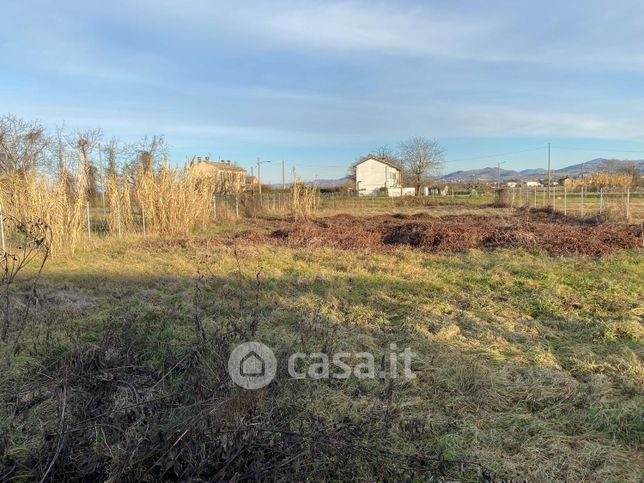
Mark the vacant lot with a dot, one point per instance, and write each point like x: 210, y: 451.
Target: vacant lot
x: 527, y: 329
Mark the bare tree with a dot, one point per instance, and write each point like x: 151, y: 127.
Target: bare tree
x: 150, y: 152
x: 610, y: 166
x: 633, y: 171
x: 23, y: 145
x: 384, y: 153
x: 421, y: 158
x: 113, y: 151
x: 58, y: 150
x: 86, y: 142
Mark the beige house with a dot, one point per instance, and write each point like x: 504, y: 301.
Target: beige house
x: 226, y: 176
x: 374, y: 174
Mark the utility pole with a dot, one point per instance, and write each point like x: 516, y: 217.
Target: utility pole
x: 283, y: 181
x: 498, y: 175
x: 259, y: 175
x: 549, y: 183
x: 259, y: 178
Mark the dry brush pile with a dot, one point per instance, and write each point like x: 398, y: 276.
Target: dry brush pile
x: 533, y: 231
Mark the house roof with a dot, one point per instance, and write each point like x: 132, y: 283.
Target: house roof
x: 222, y: 165
x: 383, y: 161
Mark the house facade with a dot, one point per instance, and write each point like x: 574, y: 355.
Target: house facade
x: 227, y: 177
x: 373, y: 174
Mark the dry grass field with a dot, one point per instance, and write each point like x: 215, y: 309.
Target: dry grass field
x: 529, y: 353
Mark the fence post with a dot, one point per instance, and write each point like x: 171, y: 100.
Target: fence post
x: 601, y: 200
x: 544, y: 195
x: 214, y: 205
x: 554, y: 198
x: 565, y: 200
x: 4, y: 248
x: 535, y: 196
x: 237, y: 206
x: 89, y: 225
x: 143, y: 218
x: 582, y: 201
x: 628, y: 207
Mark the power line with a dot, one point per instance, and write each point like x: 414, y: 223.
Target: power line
x: 572, y: 148
x: 494, y: 155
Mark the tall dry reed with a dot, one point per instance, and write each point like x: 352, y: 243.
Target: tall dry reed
x: 303, y: 200
x: 173, y: 201
x: 30, y: 197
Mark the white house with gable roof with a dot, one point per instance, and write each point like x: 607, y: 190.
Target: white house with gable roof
x: 374, y: 174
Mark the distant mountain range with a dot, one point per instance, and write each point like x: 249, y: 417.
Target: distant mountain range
x: 490, y: 173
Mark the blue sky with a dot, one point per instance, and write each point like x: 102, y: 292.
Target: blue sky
x: 319, y: 83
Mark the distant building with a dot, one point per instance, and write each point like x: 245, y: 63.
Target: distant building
x: 374, y: 174
x: 226, y: 176
x: 512, y: 184
x: 532, y: 184
x: 251, y: 182
x: 398, y: 191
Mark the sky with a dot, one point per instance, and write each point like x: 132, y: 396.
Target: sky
x: 319, y: 83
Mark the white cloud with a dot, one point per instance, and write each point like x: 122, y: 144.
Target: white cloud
x: 373, y: 27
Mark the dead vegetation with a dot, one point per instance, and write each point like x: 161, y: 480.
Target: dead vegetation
x: 460, y: 233
x: 530, y: 230
x: 31, y: 244
x: 303, y: 199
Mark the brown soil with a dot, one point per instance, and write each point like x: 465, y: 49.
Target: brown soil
x: 534, y: 230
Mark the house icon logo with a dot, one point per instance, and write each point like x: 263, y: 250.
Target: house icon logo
x: 252, y: 365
